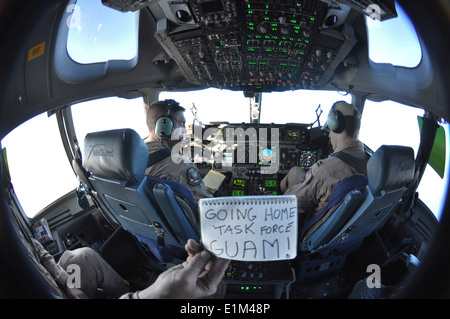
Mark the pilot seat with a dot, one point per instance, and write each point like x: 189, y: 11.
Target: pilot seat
x: 358, y: 207
x: 160, y: 214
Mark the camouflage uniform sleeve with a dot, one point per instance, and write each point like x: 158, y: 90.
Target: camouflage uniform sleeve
x: 49, y: 263
x: 309, y: 194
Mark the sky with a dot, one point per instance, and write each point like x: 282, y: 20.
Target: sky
x: 285, y: 107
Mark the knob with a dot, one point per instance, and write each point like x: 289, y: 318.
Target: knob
x: 183, y: 16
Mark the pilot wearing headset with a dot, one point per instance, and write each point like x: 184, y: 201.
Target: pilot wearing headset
x: 313, y: 188
x: 166, y: 124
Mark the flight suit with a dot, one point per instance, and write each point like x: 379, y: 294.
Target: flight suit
x: 179, y: 169
x: 94, y: 271
x: 52, y: 272
x: 313, y: 193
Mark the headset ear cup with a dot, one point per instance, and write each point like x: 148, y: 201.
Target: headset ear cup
x: 336, y: 121
x: 164, y: 127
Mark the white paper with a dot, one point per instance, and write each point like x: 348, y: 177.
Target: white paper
x: 250, y: 228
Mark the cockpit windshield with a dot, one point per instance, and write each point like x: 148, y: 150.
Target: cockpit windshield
x: 214, y: 105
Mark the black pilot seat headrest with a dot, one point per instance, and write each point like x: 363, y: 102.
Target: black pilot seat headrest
x: 119, y: 155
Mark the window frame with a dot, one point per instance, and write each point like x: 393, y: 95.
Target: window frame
x: 71, y: 71
x: 28, y: 172
x: 404, y: 22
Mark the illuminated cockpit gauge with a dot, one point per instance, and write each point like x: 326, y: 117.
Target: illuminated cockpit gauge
x: 307, y: 159
x: 292, y: 135
x: 267, y: 156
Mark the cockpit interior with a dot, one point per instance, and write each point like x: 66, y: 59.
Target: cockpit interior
x: 140, y: 225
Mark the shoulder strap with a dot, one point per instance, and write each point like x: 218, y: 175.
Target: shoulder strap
x: 358, y: 165
x: 340, y: 191
x: 158, y: 156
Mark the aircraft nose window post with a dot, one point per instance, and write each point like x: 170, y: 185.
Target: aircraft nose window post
x: 308, y: 167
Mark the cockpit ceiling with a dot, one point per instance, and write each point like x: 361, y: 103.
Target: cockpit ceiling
x: 257, y: 46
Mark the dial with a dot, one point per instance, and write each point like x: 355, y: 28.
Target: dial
x: 307, y: 159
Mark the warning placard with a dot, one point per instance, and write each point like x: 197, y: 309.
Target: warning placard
x: 36, y: 51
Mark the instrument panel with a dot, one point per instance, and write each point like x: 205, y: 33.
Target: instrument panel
x: 259, y: 46
x: 256, y: 157
x: 252, y: 45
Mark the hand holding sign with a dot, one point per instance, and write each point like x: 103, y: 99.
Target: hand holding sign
x: 250, y: 228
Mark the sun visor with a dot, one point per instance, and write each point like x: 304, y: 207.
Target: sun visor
x: 437, y: 156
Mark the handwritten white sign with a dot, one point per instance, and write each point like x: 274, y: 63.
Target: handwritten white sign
x: 250, y: 228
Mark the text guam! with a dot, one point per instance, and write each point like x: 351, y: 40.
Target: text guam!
x: 241, y: 221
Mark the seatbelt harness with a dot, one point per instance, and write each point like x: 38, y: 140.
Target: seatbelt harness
x: 358, y: 165
x: 158, y: 156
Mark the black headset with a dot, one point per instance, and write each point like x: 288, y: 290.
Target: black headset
x: 164, y: 125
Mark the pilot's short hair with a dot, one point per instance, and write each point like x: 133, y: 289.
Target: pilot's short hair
x: 352, y: 126
x: 159, y: 108
x: 171, y: 105
x: 346, y: 117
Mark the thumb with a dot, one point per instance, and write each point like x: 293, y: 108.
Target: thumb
x: 198, y: 262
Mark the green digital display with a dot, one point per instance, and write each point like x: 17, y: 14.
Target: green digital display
x: 237, y: 192
x: 239, y: 182
x: 271, y: 183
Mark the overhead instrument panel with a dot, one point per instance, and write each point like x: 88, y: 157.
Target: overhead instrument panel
x: 254, y: 45
x: 377, y: 9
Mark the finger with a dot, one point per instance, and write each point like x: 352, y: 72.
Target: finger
x: 197, y: 263
x: 283, y: 184
x: 188, y: 260
x: 208, y: 265
x: 216, y: 271
x: 192, y: 247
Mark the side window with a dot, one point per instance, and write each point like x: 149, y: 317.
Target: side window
x: 94, y: 40
x: 40, y: 170
x: 394, y: 41
x: 393, y: 123
x: 390, y: 123
x: 107, y: 114
x: 98, y: 33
